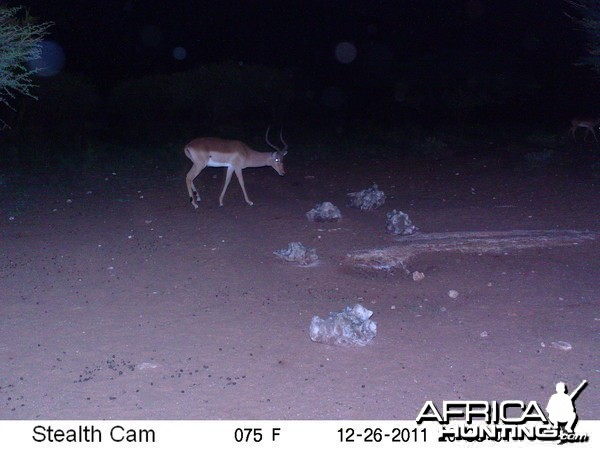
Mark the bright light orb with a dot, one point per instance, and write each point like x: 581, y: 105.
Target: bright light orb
x: 345, y: 52
x: 51, y: 60
x: 179, y: 53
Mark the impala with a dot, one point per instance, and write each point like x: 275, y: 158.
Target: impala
x: 235, y: 155
x: 588, y: 123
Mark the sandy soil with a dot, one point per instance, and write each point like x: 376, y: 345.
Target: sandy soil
x: 119, y: 301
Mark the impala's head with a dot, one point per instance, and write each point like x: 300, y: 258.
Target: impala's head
x: 277, y: 162
x: 278, y: 154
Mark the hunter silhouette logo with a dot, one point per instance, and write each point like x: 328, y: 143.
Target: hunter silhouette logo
x: 561, y: 407
x: 507, y: 420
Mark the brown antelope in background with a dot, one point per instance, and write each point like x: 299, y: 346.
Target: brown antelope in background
x: 584, y: 122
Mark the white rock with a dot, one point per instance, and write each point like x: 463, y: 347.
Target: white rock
x: 452, y: 293
x: 147, y: 365
x: 418, y: 276
x: 562, y: 345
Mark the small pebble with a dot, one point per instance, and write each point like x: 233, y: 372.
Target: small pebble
x: 452, y: 293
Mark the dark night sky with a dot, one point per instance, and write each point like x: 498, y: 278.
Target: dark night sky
x: 108, y: 40
x: 136, y: 36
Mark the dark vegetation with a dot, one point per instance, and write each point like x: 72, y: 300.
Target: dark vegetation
x: 77, y: 124
x: 506, y: 98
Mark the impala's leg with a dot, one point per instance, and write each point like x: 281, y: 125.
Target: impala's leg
x: 227, y: 180
x: 594, y: 133
x: 240, y: 177
x: 189, y: 179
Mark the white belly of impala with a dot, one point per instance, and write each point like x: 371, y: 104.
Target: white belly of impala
x: 212, y: 163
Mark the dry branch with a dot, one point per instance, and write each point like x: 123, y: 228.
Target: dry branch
x: 399, y: 256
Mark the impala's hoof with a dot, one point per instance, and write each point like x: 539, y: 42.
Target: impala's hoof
x: 250, y: 203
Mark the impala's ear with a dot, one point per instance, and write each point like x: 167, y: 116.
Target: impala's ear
x: 283, y: 153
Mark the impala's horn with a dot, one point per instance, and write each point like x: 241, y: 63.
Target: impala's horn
x: 282, y: 150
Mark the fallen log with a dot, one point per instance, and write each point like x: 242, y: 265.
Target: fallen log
x: 495, y: 242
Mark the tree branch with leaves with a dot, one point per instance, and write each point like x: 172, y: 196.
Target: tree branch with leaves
x: 589, y: 21
x: 20, y: 42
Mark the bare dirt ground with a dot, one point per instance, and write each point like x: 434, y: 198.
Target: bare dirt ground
x: 119, y: 301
